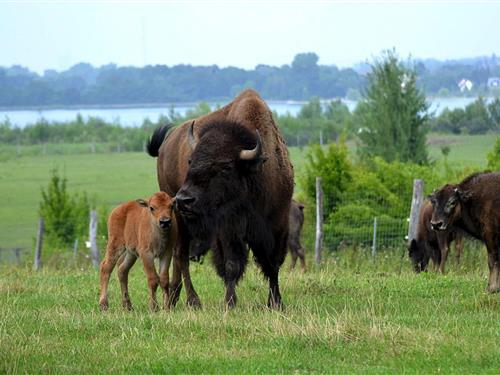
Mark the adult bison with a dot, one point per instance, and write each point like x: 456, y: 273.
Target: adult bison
x: 473, y: 206
x: 233, y: 182
x: 296, y: 220
x: 432, y: 245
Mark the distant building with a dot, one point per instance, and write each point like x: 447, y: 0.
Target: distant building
x: 465, y: 85
x: 494, y: 82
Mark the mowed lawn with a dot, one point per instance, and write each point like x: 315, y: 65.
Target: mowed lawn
x: 370, y: 316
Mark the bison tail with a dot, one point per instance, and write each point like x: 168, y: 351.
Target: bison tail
x: 157, y: 139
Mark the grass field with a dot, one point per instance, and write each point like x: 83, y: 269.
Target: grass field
x: 354, y: 315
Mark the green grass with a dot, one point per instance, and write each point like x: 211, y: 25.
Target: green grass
x: 376, y: 318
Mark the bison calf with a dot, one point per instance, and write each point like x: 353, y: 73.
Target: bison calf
x: 296, y: 220
x: 147, y: 229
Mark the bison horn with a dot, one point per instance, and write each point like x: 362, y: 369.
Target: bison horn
x: 253, y: 153
x: 191, y: 138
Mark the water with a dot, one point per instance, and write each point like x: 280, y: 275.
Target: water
x: 135, y: 116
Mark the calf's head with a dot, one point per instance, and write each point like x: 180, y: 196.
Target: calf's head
x: 221, y: 172
x: 447, y: 203
x: 160, y: 206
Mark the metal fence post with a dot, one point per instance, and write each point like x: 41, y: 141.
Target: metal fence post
x: 374, y: 243
x: 38, y: 247
x: 319, y: 220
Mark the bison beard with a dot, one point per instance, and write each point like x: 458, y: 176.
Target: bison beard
x: 227, y: 194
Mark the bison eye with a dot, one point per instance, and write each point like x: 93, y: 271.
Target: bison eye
x: 189, y: 161
x: 152, y: 209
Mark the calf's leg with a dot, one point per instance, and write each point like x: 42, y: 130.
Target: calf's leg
x: 165, y: 260
x: 113, y: 253
x: 123, y: 270
x: 153, y: 278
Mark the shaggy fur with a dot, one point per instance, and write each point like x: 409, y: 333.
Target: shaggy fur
x: 430, y: 244
x: 239, y: 204
x: 474, y: 207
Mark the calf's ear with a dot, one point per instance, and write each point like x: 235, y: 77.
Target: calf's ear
x: 142, y: 202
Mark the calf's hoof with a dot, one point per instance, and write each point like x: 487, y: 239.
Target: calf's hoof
x: 103, y: 305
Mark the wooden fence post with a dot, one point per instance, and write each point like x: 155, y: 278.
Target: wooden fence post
x: 93, y: 238
x: 416, y: 203
x: 319, y: 220
x: 39, y: 242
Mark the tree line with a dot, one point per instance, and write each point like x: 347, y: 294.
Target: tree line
x: 304, y: 78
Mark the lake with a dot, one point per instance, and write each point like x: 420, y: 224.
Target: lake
x: 134, y: 116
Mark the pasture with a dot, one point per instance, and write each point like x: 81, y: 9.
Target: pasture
x: 352, y: 315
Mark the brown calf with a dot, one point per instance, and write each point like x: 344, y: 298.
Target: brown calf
x: 144, y: 229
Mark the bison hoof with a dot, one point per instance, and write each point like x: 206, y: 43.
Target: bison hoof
x: 275, y: 305
x: 194, y: 302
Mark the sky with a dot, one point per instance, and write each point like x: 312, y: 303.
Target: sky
x: 56, y: 35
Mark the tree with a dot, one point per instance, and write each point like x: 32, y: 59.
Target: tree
x: 66, y: 217
x: 494, y: 156
x: 335, y: 170
x: 392, y: 115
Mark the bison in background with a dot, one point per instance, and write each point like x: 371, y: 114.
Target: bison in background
x: 296, y: 220
x: 473, y: 206
x: 233, y: 182
x: 432, y: 245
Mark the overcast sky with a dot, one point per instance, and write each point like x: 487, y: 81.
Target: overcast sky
x: 57, y: 35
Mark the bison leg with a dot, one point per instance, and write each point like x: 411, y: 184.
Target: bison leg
x: 113, y: 253
x: 494, y: 266
x: 444, y: 246
x: 153, y: 278
x: 294, y: 256
x: 302, y: 258
x: 459, y: 246
x: 165, y: 260
x: 270, y: 260
x: 181, y: 270
x: 123, y: 270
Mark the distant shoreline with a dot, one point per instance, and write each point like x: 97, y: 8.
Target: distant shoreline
x: 139, y: 105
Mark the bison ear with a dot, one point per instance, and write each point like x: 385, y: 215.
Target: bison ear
x: 463, y: 195
x: 142, y: 202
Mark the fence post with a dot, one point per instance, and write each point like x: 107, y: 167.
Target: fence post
x: 39, y: 242
x: 75, y: 248
x: 93, y: 238
x: 374, y: 243
x: 416, y: 203
x: 319, y: 220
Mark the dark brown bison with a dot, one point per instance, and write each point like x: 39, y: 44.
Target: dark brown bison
x: 233, y: 182
x: 432, y: 245
x: 145, y: 229
x: 296, y: 220
x: 473, y: 206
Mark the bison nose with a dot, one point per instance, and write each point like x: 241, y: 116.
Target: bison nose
x: 183, y: 200
x: 436, y: 225
x: 165, y: 222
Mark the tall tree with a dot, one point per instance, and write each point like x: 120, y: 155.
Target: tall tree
x: 393, y: 113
